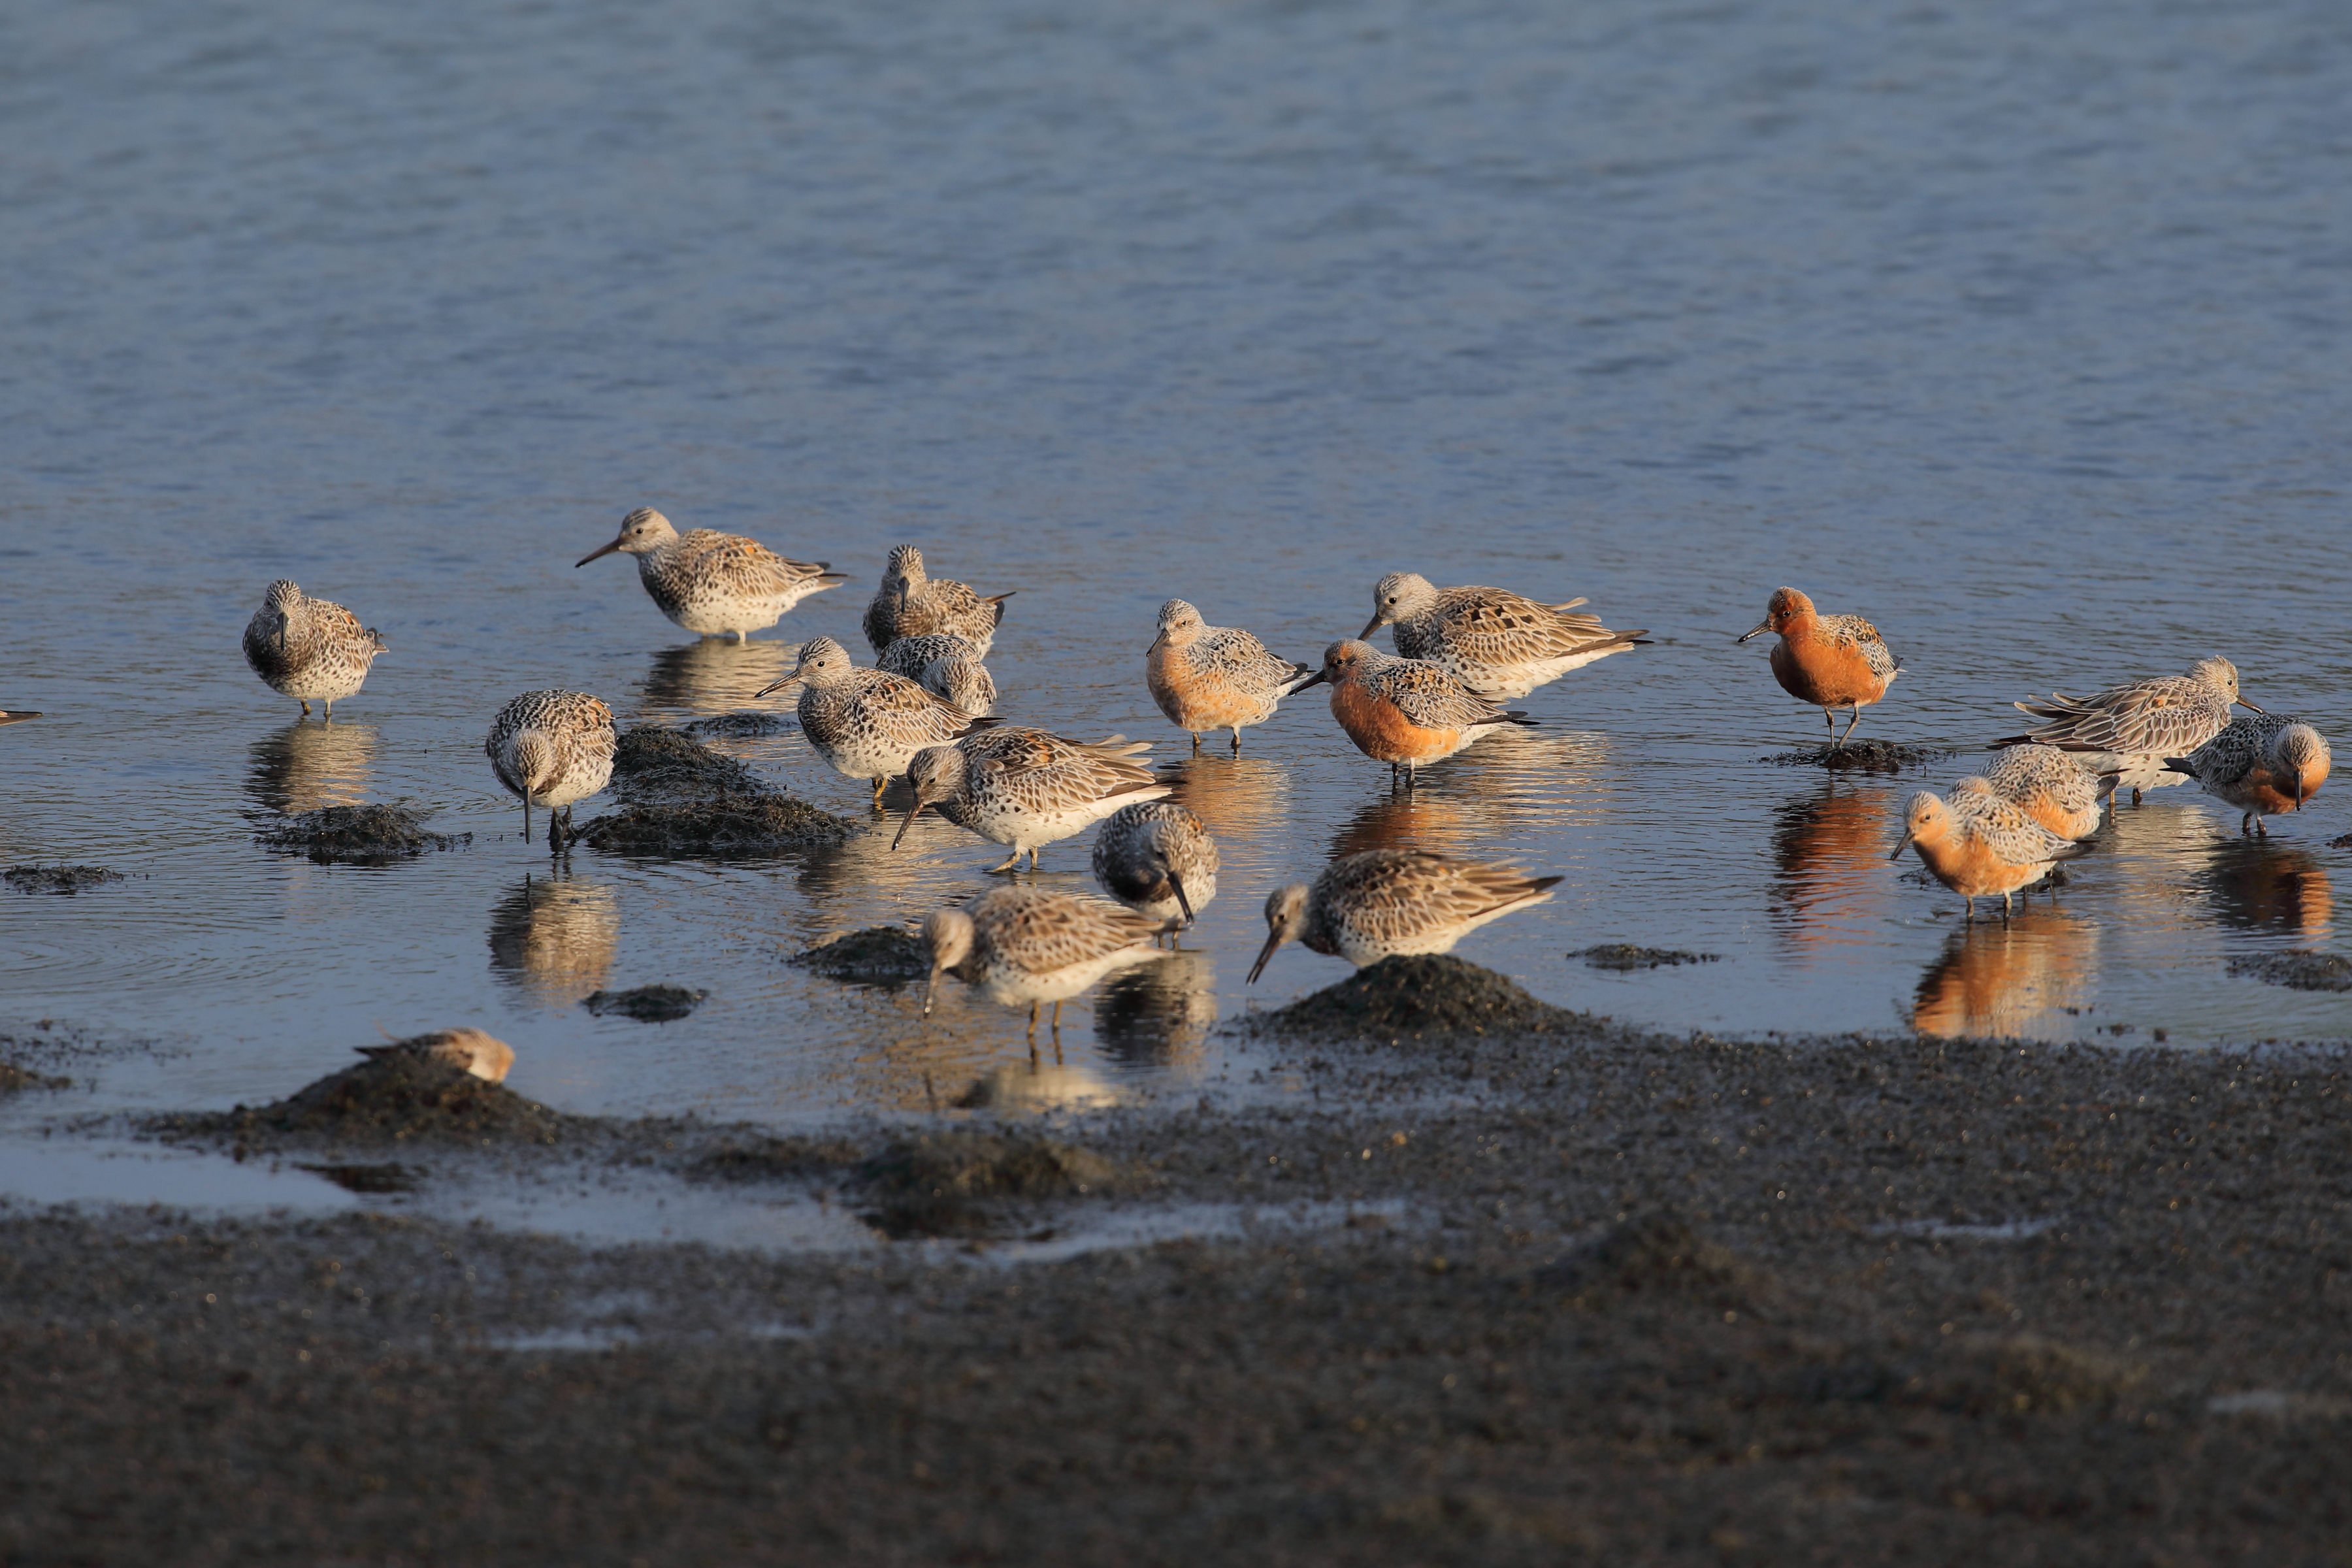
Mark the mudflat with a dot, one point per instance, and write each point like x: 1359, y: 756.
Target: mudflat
x: 1575, y: 1294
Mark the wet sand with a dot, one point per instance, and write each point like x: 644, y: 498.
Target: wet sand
x: 1603, y: 1297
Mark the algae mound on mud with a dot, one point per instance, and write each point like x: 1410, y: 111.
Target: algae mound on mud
x: 680, y: 797
x: 59, y: 879
x: 362, y: 835
x: 397, y: 1097
x: 1868, y: 756
x: 2297, y: 970
x: 1418, y: 997
x: 878, y: 955
x: 646, y: 1004
x: 1624, y: 955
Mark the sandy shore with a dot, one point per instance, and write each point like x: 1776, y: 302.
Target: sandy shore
x: 1605, y: 1296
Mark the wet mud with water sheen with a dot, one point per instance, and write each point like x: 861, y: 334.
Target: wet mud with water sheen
x: 1949, y: 317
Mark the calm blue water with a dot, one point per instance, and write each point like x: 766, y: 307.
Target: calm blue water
x: 2020, y: 328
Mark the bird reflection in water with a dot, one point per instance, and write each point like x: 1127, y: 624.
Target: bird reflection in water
x: 555, y: 936
x: 1509, y: 784
x: 1242, y: 801
x: 311, y: 763
x: 2257, y: 885
x: 715, y: 675
x: 1031, y: 1087
x: 1829, y: 858
x: 1998, y: 978
x: 1159, y: 1014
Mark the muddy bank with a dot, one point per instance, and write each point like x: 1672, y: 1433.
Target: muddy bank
x: 2297, y: 970
x: 392, y: 1098
x: 716, y: 825
x: 1587, y: 1295
x: 1430, y: 996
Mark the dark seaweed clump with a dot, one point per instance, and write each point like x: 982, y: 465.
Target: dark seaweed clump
x: 396, y: 1098
x: 361, y: 834
x: 1625, y: 956
x: 878, y: 955
x: 364, y: 1178
x: 740, y: 726
x: 719, y: 825
x: 955, y: 1184
x: 651, y: 764
x: 766, y: 1159
x: 1424, y: 996
x: 679, y: 797
x: 2300, y: 971
x: 59, y: 879
x: 13, y: 1078
x: 646, y: 1004
x: 1868, y: 756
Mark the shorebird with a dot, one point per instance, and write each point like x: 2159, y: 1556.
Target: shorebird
x: 1370, y: 906
x: 867, y: 723
x: 1214, y: 677
x: 16, y: 715
x: 1830, y: 661
x: 2261, y: 765
x: 2128, y: 730
x: 1402, y: 711
x: 711, y: 583
x: 946, y: 666
x: 468, y: 1051
x: 1497, y: 643
x: 1028, y: 789
x: 909, y: 604
x: 1977, y: 844
x: 552, y: 748
x: 1023, y: 944
x: 1158, y: 859
x: 2051, y: 787
x: 308, y: 649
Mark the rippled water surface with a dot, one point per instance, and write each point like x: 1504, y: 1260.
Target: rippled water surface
x: 2017, y: 328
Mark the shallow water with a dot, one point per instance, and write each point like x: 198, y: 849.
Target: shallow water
x: 2018, y: 329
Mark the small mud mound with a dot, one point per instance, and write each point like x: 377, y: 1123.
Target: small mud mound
x: 773, y: 1159
x: 399, y: 1096
x: 951, y: 1183
x: 59, y: 879
x: 2299, y: 971
x: 15, y: 1079
x: 646, y: 1004
x: 1429, y: 996
x: 719, y: 825
x: 742, y: 726
x: 1660, y: 1254
x: 878, y: 955
x: 383, y: 1178
x: 1866, y: 756
x: 1988, y: 1374
x: 361, y: 834
x: 1625, y: 956
x: 652, y: 764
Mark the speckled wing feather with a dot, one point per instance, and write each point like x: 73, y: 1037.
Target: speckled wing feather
x: 1496, y: 626
x: 1071, y: 781
x: 1041, y: 932
x: 2226, y: 759
x: 1854, y: 632
x: 2169, y: 717
x: 910, y: 657
x: 903, y: 711
x: 2022, y: 772
x: 729, y: 561
x: 1392, y: 896
x: 2003, y: 827
x: 1236, y: 656
x: 1431, y: 698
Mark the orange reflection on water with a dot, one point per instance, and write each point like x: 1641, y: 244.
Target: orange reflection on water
x: 311, y: 763
x: 1501, y: 790
x: 2262, y: 885
x: 1997, y: 977
x: 1830, y: 863
x: 555, y: 937
x: 720, y: 674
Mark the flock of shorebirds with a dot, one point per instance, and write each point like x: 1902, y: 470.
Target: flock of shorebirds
x: 924, y: 711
